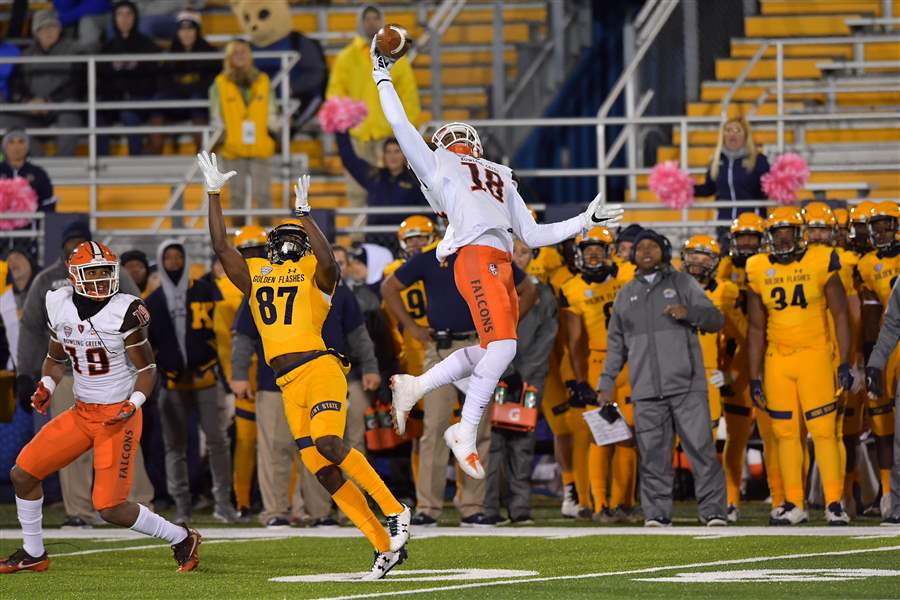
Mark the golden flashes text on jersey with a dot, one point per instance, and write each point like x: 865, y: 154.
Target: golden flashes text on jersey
x: 295, y: 278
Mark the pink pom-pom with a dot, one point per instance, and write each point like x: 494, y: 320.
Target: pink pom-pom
x: 672, y: 186
x: 16, y: 196
x: 340, y: 114
x: 789, y: 174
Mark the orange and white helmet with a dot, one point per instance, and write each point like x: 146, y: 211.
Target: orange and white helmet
x: 93, y: 255
x: 596, y: 236
x: 701, y: 244
x: 415, y: 226
x: 250, y: 236
x: 460, y: 138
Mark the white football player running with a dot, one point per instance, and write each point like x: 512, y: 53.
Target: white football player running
x: 484, y: 209
x: 102, y: 332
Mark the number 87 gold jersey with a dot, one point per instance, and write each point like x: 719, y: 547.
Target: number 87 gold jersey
x: 794, y: 296
x: 287, y: 305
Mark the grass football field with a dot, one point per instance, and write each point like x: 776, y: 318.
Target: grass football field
x: 552, y: 559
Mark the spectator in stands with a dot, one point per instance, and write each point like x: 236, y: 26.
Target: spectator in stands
x: 653, y: 327
x: 137, y: 265
x: 6, y: 69
x: 181, y: 332
x: 158, y: 19
x: 241, y: 101
x: 187, y: 80
x: 735, y: 170
x: 512, y: 452
x: 351, y: 77
x: 84, y: 20
x: 365, y: 267
x: 123, y: 81
x: 15, y: 163
x: 391, y: 185
x: 22, y: 269
x: 75, y: 479
x: 35, y: 84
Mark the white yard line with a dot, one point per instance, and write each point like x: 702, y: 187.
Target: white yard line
x: 110, y: 535
x: 145, y: 547
x: 717, y: 563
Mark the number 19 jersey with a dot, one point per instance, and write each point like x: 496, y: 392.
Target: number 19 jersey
x: 794, y: 296
x: 287, y: 306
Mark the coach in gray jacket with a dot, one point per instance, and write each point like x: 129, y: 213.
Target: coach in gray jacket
x: 888, y: 337
x: 654, y: 328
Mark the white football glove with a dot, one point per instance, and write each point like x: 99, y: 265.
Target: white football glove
x: 602, y: 215
x: 381, y: 65
x: 716, y: 378
x: 210, y: 168
x: 301, y: 196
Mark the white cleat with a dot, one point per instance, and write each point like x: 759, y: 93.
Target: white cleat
x: 406, y: 392
x: 733, y: 513
x: 398, y: 528
x: 569, y: 506
x: 836, y: 515
x: 789, y: 514
x: 384, y: 562
x: 885, y: 505
x: 465, y: 453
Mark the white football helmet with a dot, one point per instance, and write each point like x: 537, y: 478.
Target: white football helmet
x: 455, y: 133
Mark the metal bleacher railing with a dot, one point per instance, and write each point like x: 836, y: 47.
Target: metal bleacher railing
x: 650, y: 20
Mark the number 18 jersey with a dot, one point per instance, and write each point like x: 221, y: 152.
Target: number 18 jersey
x: 287, y: 306
x: 794, y: 296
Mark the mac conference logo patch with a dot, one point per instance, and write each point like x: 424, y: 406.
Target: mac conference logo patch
x: 68, y: 331
x: 266, y: 270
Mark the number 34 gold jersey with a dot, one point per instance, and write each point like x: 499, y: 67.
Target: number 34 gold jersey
x: 287, y: 306
x: 794, y: 296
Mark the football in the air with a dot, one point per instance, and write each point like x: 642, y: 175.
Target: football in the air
x: 393, y: 41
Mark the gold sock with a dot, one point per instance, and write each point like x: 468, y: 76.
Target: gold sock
x: 624, y: 468
x: 244, y: 461
x: 738, y: 428
x: 414, y: 464
x: 351, y: 501
x: 598, y: 470
x: 829, y: 461
x: 581, y: 441
x: 790, y: 459
x: 885, y: 475
x: 568, y: 478
x: 358, y: 468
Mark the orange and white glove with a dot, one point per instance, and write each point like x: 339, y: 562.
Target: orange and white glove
x: 129, y: 407
x: 40, y: 399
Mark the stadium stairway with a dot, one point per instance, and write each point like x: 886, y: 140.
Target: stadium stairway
x: 466, y: 76
x: 811, y: 85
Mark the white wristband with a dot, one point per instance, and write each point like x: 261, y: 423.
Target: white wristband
x: 137, y: 398
x: 49, y: 384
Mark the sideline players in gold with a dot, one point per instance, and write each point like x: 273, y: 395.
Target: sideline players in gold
x: 790, y: 290
x: 290, y: 296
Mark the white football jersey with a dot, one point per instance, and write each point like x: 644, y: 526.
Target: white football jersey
x: 476, y: 195
x: 96, y: 346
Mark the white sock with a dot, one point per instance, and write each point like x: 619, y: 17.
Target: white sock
x: 484, y: 380
x: 30, y: 517
x: 457, y: 366
x: 150, y: 523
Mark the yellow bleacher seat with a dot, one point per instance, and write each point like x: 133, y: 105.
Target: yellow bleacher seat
x: 798, y: 26
x: 714, y: 109
x: 794, y: 68
x: 796, y: 7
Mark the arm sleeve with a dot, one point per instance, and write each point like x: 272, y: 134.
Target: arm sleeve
x: 707, y: 188
x: 421, y: 158
x: 534, y: 235
x: 616, y: 353
x: 136, y: 316
x: 242, y: 350
x: 889, y: 334
x: 362, y: 349
x: 702, y: 313
x: 407, y: 90
x: 358, y: 168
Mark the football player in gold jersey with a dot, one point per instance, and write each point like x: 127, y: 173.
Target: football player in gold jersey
x: 747, y: 233
x: 879, y: 271
x: 822, y: 228
x: 790, y: 290
x: 250, y: 241
x: 547, y: 259
x: 700, y: 259
x: 290, y: 295
x: 586, y: 302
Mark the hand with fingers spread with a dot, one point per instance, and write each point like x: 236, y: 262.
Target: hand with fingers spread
x: 301, y: 196
x: 602, y: 215
x: 381, y: 64
x: 126, y: 412
x: 215, y: 179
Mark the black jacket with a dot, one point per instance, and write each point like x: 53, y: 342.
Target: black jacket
x: 735, y: 183
x: 128, y: 80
